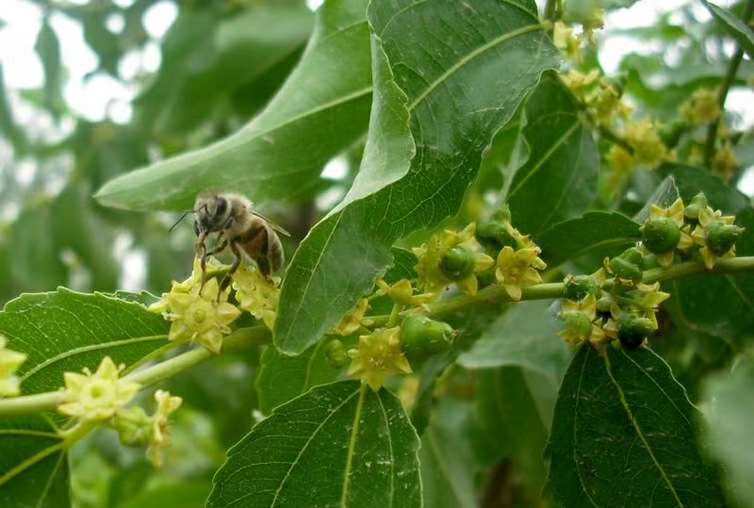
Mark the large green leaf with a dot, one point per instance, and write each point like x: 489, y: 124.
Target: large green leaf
x: 623, y: 432
x: 457, y: 96
x: 598, y: 234
x: 447, y: 462
x: 730, y: 404
x: 33, y: 464
x: 735, y: 27
x: 559, y: 179
x: 525, y: 336
x: 321, y: 109
x: 337, y: 445
x: 48, y: 49
x: 65, y: 331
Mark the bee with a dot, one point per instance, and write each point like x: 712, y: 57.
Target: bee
x: 239, y: 227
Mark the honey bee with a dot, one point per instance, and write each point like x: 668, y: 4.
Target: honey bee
x: 239, y: 227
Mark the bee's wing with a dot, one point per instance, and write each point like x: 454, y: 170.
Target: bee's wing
x: 274, y: 226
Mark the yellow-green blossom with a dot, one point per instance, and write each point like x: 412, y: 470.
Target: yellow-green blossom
x: 647, y: 298
x: 645, y: 140
x: 353, y: 321
x: 579, y: 318
x: 565, y: 40
x: 725, y: 161
x: 160, y: 438
x: 200, y: 317
x: 675, y: 212
x: 431, y: 276
x: 257, y: 294
x: 99, y: 395
x: 378, y: 356
x: 702, y: 107
x: 402, y: 292
x: 580, y: 83
x: 518, y: 269
x: 10, y: 361
x: 708, y: 217
x: 606, y: 104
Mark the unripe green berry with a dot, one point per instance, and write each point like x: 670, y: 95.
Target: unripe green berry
x: 604, y: 304
x: 458, y: 263
x: 494, y: 234
x: 422, y: 336
x: 579, y: 286
x: 721, y: 237
x: 625, y: 269
x: 578, y: 322
x: 633, y: 330
x: 697, y: 204
x: 632, y: 255
x: 661, y: 235
x: 336, y: 354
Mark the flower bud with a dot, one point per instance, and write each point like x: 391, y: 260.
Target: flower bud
x: 633, y: 330
x: 625, y: 269
x: 336, y: 354
x: 579, y: 286
x: 722, y: 237
x: 632, y: 255
x: 494, y: 234
x: 422, y: 336
x: 660, y: 235
x: 697, y: 204
x: 458, y: 263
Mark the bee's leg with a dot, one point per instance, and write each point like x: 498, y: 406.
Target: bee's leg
x: 236, y: 263
x: 201, y: 252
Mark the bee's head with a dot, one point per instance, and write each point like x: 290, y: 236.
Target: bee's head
x: 210, y: 213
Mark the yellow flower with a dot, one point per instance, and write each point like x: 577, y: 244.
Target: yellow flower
x: 10, y: 361
x: 518, y: 269
x: 645, y: 140
x: 378, y: 356
x: 702, y: 108
x: 605, y: 102
x: 162, y: 306
x: 402, y: 292
x: 647, y: 298
x: 580, y: 83
x: 725, y: 161
x: 565, y: 40
x: 201, y: 318
x: 257, y: 294
x: 429, y: 269
x: 620, y: 160
x: 709, y: 218
x: 579, y: 320
x: 160, y: 439
x: 97, y: 396
x: 352, y: 322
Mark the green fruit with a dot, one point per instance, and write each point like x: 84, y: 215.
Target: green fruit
x: 458, y: 263
x: 580, y: 286
x: 494, y: 234
x: 577, y: 322
x: 698, y: 203
x: 661, y: 235
x: 632, y: 255
x: 722, y: 237
x: 422, y: 336
x: 633, y: 331
x: 336, y: 354
x: 625, y: 269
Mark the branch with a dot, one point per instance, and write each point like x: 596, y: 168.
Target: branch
x: 730, y: 78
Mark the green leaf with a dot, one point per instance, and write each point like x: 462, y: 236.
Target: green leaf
x: 525, y: 336
x: 624, y: 430
x: 559, y: 179
x: 48, y: 49
x: 447, y: 464
x: 339, y: 444
x: 691, y: 180
x: 735, y: 27
x: 33, y: 464
x: 452, y: 99
x: 321, y: 109
x: 65, y: 331
x: 598, y: 234
x: 728, y: 427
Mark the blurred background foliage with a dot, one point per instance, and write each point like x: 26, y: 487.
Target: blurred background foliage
x: 163, y: 77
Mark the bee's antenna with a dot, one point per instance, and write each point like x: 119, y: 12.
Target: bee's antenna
x: 180, y: 219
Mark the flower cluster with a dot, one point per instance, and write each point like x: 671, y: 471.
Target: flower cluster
x: 198, y: 313
x: 378, y: 355
x: 614, y: 303
x: 102, y: 397
x: 257, y: 294
x: 10, y: 361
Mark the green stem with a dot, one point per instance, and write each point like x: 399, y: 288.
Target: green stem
x: 239, y: 339
x: 730, y: 78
